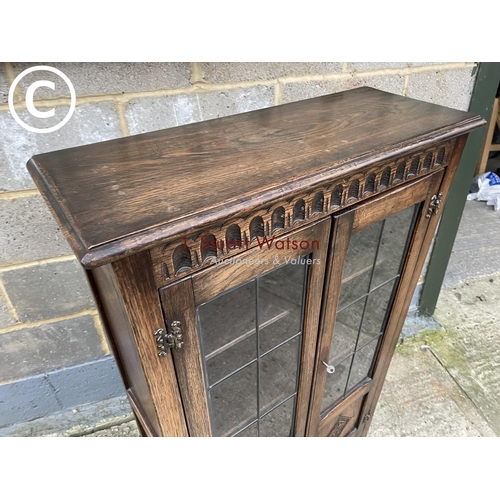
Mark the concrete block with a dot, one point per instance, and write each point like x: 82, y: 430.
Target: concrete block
x: 27, y: 399
x: 225, y: 72
x: 298, y: 91
x: 4, y: 85
x: 369, y: 66
x: 6, y: 318
x: 48, y: 347
x: 50, y: 394
x: 29, y: 232
x: 87, y: 383
x: 93, y: 122
x: 155, y: 113
x: 48, y: 290
x: 447, y: 88
x: 426, y: 63
x: 231, y: 102
x: 107, y: 78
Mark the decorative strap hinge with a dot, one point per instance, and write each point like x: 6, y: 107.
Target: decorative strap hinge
x: 434, y: 205
x: 166, y: 340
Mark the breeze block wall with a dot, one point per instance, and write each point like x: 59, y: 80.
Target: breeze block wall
x: 53, y: 351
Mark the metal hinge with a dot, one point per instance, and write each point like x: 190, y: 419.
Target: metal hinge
x: 367, y: 417
x: 434, y: 205
x: 172, y: 340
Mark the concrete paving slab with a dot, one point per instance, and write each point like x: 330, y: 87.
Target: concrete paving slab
x: 475, y: 251
x: 419, y: 398
x: 469, y: 348
x: 128, y: 429
x: 453, y: 387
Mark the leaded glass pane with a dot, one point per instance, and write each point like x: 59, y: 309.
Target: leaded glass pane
x: 392, y: 245
x: 335, y: 383
x: 361, y: 365
x: 375, y: 312
x: 359, y: 264
x: 227, y: 329
x: 279, y: 421
x: 280, y: 305
x: 371, y: 274
x: 278, y: 374
x: 251, y: 338
x: 250, y: 431
x: 234, y: 401
x: 346, y: 331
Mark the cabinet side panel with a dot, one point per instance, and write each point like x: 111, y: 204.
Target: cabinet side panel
x: 141, y: 303
x: 122, y: 341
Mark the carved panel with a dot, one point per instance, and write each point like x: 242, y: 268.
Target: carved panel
x: 205, y: 246
x: 347, y: 420
x: 339, y: 426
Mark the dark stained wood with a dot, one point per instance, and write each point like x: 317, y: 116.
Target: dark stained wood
x: 178, y: 305
x: 129, y: 206
x: 388, y: 204
x: 121, y: 339
x: 119, y: 197
x: 315, y: 201
x: 312, y: 309
x: 142, y: 420
x: 181, y: 298
x: 411, y: 273
x: 213, y: 281
x: 345, y: 225
x: 346, y: 416
x: 141, y: 304
x: 336, y: 257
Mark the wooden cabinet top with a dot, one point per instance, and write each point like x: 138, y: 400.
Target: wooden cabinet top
x: 118, y: 197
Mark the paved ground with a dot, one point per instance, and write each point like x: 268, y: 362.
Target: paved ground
x: 442, y: 382
x: 446, y: 381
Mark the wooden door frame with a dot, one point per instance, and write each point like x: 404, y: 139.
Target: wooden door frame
x: 180, y: 299
x: 345, y: 225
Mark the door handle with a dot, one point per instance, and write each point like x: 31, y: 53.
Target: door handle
x: 329, y: 368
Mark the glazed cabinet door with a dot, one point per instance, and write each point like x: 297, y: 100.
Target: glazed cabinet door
x: 372, y: 267
x: 249, y: 326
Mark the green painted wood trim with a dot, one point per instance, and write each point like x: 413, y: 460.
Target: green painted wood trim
x: 488, y: 77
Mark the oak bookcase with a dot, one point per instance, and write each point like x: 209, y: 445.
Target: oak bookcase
x: 253, y: 272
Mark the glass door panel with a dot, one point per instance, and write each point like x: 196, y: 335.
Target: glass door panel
x: 227, y: 329
x: 250, y: 328
x: 360, y: 259
x: 374, y: 260
x: 250, y: 340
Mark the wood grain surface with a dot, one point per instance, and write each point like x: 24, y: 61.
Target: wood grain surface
x: 118, y: 197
